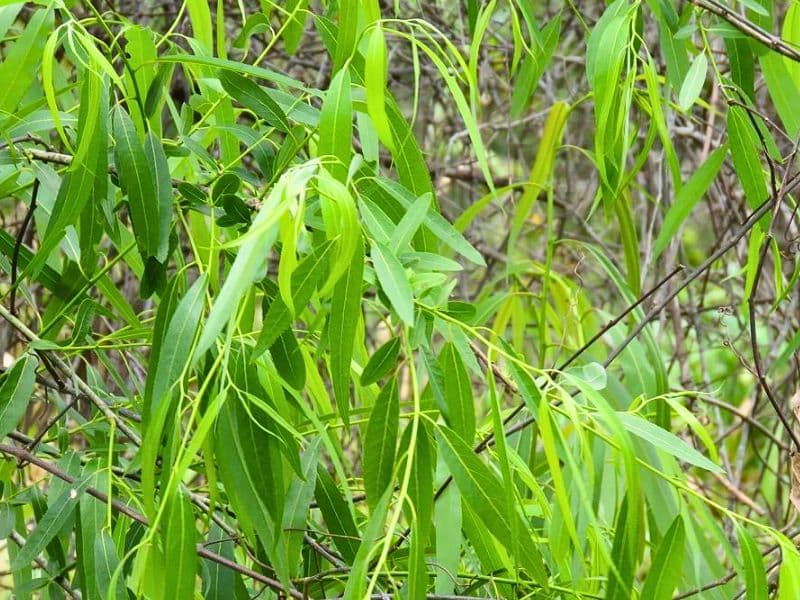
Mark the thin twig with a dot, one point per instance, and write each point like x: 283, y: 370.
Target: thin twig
x: 62, y: 581
x: 18, y: 246
x: 749, y: 28
x: 23, y: 455
x: 70, y: 372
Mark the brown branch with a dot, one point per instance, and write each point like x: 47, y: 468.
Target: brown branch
x: 751, y: 221
x: 18, y: 245
x: 78, y: 382
x: 62, y: 581
x: 23, y: 455
x: 749, y: 28
x: 656, y: 310
x: 759, y: 369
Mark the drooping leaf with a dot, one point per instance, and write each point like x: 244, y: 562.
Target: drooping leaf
x: 252, y: 255
x: 746, y: 150
x: 200, y: 18
x: 297, y: 14
x: 304, y: 281
x: 348, y: 32
x: 18, y: 70
x: 254, y: 98
x: 542, y: 169
x: 740, y: 55
x: 375, y: 84
x: 665, y: 574
x: 139, y: 184
x: 394, y: 281
x: 16, y: 388
x: 174, y: 354
x: 621, y: 572
x: 666, y: 441
x: 457, y: 388
x: 342, y: 323
x: 220, y: 582
x: 356, y: 583
x: 80, y: 178
x: 485, y: 494
x: 288, y: 359
x: 381, y: 362
x: 298, y: 501
x: 157, y: 161
x: 755, y: 575
x: 180, y: 537
x: 106, y: 560
x: 674, y: 52
x: 337, y: 516
x: 687, y: 198
x: 693, y: 83
x: 49, y: 526
x: 89, y: 523
x: 247, y: 458
x: 534, y: 65
x: 380, y: 442
x: 336, y: 125
x: 788, y: 584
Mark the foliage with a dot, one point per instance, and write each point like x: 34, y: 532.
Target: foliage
x: 345, y: 299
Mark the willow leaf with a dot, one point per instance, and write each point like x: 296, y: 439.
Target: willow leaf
x: 15, y: 393
x: 380, y: 443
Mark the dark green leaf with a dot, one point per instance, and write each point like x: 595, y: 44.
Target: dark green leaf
x: 49, y: 526
x: 15, y: 393
x: 157, y: 161
x: 180, y: 537
x: 304, y: 280
x: 80, y: 180
x: 139, y: 184
x: 179, y: 337
x: 381, y: 442
x: 254, y: 98
x: 338, y: 517
x: 220, y: 582
x: 746, y: 152
x: 288, y: 359
x: 666, y: 572
x: 344, y: 317
x: 485, y: 494
x: 228, y: 183
x: 106, y: 561
x: 380, y: 363
x: 336, y: 125
x: 459, y: 403
x: 250, y: 468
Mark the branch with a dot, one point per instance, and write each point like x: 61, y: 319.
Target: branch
x: 24, y: 455
x: 62, y: 581
x: 749, y: 28
x: 70, y: 372
x: 762, y: 380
